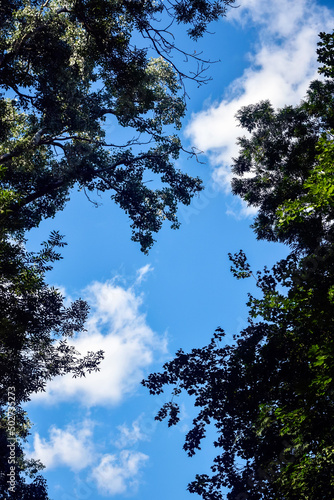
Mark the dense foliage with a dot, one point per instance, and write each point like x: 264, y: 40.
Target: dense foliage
x: 33, y: 317
x: 284, y: 157
x: 34, y: 330
x: 71, y: 73
x: 271, y: 394
x: 68, y: 66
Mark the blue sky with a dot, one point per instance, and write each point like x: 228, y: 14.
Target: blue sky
x: 97, y: 436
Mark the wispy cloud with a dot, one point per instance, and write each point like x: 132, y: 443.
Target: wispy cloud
x: 142, y: 273
x: 129, y: 436
x: 118, y: 327
x: 282, y: 64
x: 119, y: 474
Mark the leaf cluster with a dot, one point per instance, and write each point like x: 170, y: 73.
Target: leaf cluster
x: 270, y: 394
x: 284, y: 164
x: 35, y: 328
x: 71, y: 72
x: 70, y: 69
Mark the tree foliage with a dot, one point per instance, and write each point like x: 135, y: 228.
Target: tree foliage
x: 33, y: 319
x: 70, y: 69
x: 35, y: 328
x: 71, y: 73
x: 29, y: 483
x: 284, y: 156
x: 270, y: 395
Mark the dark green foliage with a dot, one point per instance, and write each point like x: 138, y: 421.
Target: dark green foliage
x: 24, y: 469
x: 34, y: 330
x: 282, y: 154
x: 270, y: 396
x: 33, y: 317
x: 69, y: 70
x: 67, y: 67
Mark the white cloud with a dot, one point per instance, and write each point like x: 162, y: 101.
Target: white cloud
x: 281, y: 67
x: 118, y: 474
x: 130, y: 436
x: 116, y: 326
x: 142, y: 272
x: 75, y: 447
x: 71, y: 447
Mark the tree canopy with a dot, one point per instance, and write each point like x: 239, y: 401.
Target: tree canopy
x: 68, y: 66
x: 270, y: 395
x: 287, y: 151
x: 33, y: 318
x: 72, y: 72
x: 35, y: 328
